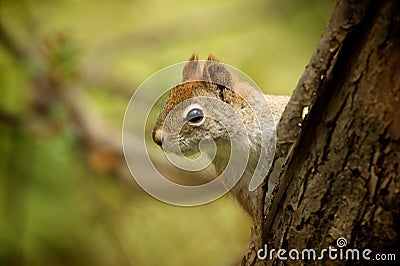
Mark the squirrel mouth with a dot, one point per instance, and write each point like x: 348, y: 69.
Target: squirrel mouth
x: 157, y: 136
x: 177, y: 147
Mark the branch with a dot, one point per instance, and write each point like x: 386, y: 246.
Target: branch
x: 10, y: 44
x: 345, y: 18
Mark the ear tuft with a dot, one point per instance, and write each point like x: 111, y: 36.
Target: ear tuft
x: 217, y: 72
x: 194, y: 57
x: 191, y: 70
x: 212, y: 57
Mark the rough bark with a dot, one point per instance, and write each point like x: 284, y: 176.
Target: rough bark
x: 342, y: 171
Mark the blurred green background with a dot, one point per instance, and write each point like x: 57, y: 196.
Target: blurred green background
x: 67, y: 71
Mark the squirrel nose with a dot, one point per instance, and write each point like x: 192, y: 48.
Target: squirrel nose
x: 157, y: 136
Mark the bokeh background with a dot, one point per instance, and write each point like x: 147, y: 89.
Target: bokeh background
x: 67, y: 71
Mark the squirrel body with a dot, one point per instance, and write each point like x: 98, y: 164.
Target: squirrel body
x: 218, y: 85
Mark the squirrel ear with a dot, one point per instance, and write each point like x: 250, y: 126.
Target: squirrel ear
x: 191, y: 70
x: 217, y: 72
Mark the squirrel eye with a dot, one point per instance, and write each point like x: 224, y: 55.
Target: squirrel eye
x: 195, y: 116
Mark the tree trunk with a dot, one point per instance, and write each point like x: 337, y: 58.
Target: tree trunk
x: 342, y: 172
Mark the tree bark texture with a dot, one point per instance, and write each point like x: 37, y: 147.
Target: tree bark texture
x: 342, y: 172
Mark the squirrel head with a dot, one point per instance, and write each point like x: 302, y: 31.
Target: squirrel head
x: 192, y: 107
x: 210, y: 103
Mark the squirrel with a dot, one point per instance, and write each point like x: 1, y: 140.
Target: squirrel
x: 216, y: 81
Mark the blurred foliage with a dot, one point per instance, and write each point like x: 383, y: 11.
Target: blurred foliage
x: 56, y: 208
